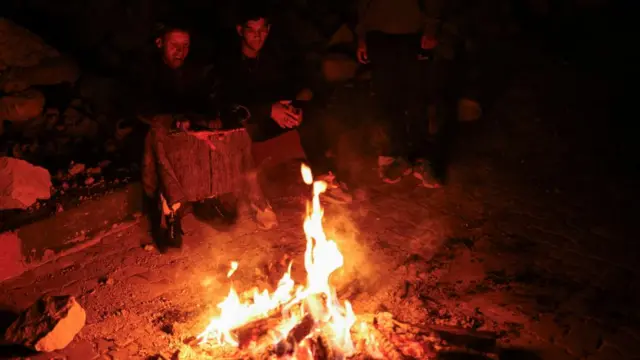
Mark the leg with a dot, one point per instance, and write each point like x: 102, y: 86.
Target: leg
x: 313, y: 138
x: 388, y: 54
x: 315, y: 142
x: 250, y: 190
x: 426, y: 125
x: 157, y: 180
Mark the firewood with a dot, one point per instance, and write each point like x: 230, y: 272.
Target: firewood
x: 386, y: 346
x: 256, y: 330
x: 325, y: 350
x: 484, y: 341
x: 295, y: 336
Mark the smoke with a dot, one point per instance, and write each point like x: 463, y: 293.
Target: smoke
x: 341, y: 226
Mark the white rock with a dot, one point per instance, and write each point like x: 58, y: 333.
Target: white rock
x: 48, y: 325
x: 22, y: 183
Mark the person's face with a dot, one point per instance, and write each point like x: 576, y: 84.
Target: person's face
x: 175, y: 47
x: 254, y: 33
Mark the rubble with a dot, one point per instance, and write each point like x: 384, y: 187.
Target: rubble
x: 76, y: 169
x: 48, y: 325
x: 22, y: 183
x: 21, y: 106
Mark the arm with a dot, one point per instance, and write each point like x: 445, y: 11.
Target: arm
x: 230, y: 94
x: 432, y: 10
x: 204, y: 104
x: 361, y: 28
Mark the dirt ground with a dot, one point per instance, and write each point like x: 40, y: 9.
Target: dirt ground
x: 527, y: 239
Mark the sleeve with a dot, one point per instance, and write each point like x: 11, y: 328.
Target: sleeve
x: 363, y: 7
x: 432, y: 11
x: 229, y: 96
x: 205, y: 93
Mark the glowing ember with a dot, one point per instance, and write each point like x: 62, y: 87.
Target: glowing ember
x: 316, y: 303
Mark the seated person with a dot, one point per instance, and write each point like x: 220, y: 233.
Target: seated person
x: 175, y: 96
x: 277, y: 95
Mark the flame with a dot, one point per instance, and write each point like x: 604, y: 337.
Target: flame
x: 322, y: 257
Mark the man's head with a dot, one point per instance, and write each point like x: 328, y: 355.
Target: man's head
x: 253, y: 28
x: 174, y: 42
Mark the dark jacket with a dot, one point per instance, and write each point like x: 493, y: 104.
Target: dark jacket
x: 258, y: 83
x: 156, y: 89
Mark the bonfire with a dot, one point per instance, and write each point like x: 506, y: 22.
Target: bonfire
x: 295, y: 321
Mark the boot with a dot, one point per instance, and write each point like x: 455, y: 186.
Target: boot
x: 174, y: 231
x: 264, y: 217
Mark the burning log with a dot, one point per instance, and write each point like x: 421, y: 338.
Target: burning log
x: 256, y: 330
x: 386, y: 346
x: 484, y: 341
x: 324, y: 348
x: 295, y: 336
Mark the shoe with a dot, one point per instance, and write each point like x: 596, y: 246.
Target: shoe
x: 265, y: 218
x: 174, y: 231
x: 392, y: 170
x: 423, y: 171
x: 337, y: 191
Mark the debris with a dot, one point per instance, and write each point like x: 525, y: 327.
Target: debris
x: 48, y: 325
x: 76, y: 169
x: 106, y: 281
x: 94, y: 170
x: 22, y: 184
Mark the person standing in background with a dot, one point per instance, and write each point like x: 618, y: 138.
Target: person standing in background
x: 392, y: 34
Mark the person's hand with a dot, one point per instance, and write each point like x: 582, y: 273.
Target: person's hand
x: 362, y: 54
x: 284, y: 115
x: 184, y: 125
x: 428, y: 42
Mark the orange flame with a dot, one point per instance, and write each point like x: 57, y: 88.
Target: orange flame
x: 322, y: 257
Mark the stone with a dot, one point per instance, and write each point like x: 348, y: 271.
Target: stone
x: 22, y: 183
x: 76, y: 169
x: 21, y: 106
x: 20, y: 47
x: 48, y: 325
x: 49, y: 71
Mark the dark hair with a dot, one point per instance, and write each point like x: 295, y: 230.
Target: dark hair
x: 252, y: 10
x: 165, y: 27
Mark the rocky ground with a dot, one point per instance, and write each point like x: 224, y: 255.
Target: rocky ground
x: 528, y: 239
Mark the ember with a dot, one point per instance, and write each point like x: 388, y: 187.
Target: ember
x: 295, y: 321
